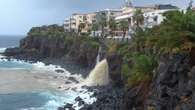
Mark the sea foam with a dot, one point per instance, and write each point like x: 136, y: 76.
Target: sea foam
x: 55, y: 99
x: 2, y: 50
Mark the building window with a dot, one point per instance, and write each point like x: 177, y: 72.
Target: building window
x: 89, y: 25
x: 104, y: 14
x: 155, y: 18
x: 93, y: 21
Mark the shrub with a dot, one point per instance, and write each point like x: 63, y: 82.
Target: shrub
x: 142, y: 69
x: 112, y: 47
x: 125, y: 71
x: 175, y: 35
x: 125, y: 52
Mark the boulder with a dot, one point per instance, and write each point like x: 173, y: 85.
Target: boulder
x: 59, y: 71
x: 13, y: 51
x: 73, y: 79
x: 69, y: 106
x: 108, y: 98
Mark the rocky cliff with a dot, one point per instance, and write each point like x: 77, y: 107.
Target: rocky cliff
x: 172, y: 87
x: 51, y: 42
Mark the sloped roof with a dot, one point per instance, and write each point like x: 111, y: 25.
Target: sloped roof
x: 166, y: 6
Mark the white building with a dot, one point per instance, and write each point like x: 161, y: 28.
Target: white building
x: 105, y: 14
x: 72, y: 24
x: 153, y: 18
x: 153, y: 15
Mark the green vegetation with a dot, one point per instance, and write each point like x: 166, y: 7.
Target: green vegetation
x: 94, y: 28
x: 103, y: 23
x: 81, y: 27
x: 124, y: 26
x: 126, y: 70
x: 93, y: 42
x: 175, y: 35
x: 138, y: 17
x: 47, y: 31
x: 56, y: 32
x: 113, y: 26
x: 142, y: 69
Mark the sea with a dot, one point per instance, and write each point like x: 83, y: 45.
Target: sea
x: 27, y: 86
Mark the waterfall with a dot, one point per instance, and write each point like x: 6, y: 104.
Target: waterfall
x: 99, y: 76
x: 98, y: 56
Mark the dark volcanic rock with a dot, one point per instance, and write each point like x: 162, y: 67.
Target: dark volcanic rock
x: 73, y: 79
x: 84, y: 54
x: 108, y: 98
x: 78, y: 99
x: 13, y: 51
x: 59, y: 71
x: 171, y: 89
x: 60, y: 108
x: 37, y: 47
x: 114, y: 63
x: 31, y: 55
x: 69, y: 107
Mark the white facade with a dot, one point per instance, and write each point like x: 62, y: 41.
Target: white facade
x: 67, y: 25
x: 72, y: 23
x: 152, y: 17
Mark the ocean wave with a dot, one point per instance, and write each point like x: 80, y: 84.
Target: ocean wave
x: 57, y: 99
x: 13, y: 64
x: 2, y: 50
x: 21, y: 64
x: 2, y: 57
x: 42, y: 66
x: 36, y: 67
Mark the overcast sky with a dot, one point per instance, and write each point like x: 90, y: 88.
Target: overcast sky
x: 18, y: 16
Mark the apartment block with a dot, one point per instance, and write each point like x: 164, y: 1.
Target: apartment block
x: 72, y: 24
x: 152, y: 14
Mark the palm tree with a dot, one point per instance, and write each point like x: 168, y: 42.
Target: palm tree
x: 138, y: 18
x: 124, y: 26
x: 81, y: 27
x: 112, y: 26
x: 190, y: 5
x: 94, y: 28
x: 103, y: 24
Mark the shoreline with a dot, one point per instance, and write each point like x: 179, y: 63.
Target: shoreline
x: 62, y: 78
x: 63, y: 68
x: 107, y: 96
x: 68, y: 65
x: 64, y: 63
